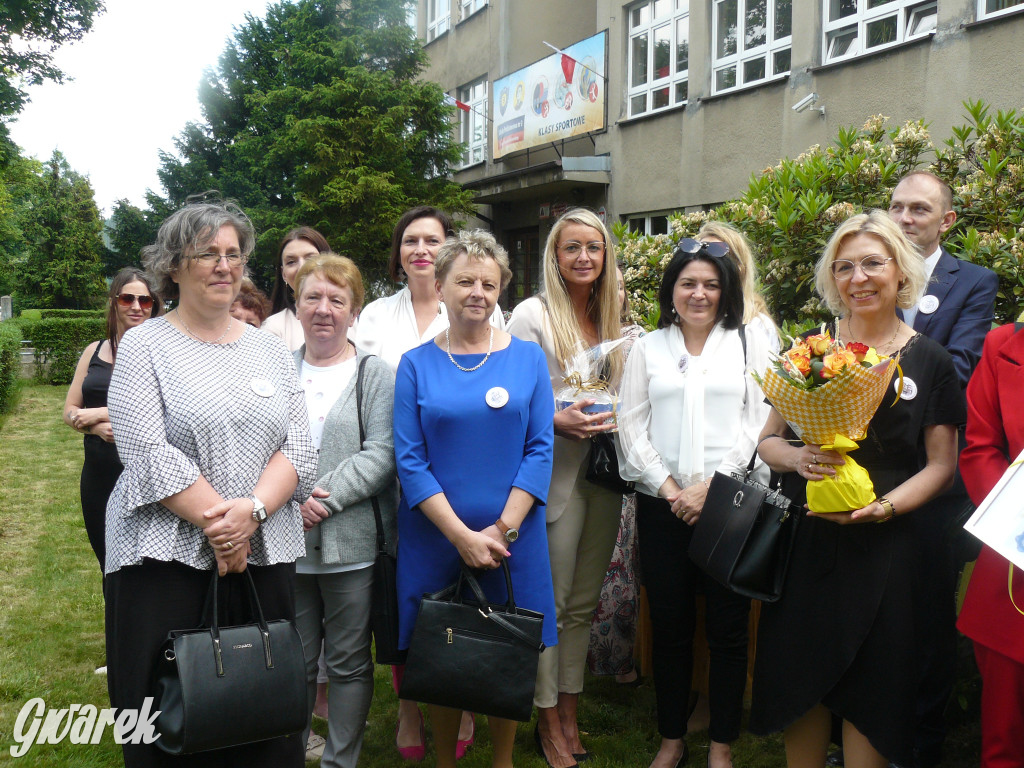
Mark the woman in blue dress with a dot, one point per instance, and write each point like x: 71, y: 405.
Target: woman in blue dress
x: 473, y: 444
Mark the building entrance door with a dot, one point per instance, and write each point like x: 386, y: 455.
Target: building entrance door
x: 523, y: 247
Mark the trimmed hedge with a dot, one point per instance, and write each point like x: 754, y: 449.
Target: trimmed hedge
x: 65, y: 314
x: 10, y: 363
x: 59, y: 343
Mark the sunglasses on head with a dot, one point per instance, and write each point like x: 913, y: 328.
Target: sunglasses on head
x: 690, y: 246
x: 127, y: 299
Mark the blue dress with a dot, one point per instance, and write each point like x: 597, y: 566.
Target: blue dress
x: 449, y: 440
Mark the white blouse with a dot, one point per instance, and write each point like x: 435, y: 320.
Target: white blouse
x: 686, y: 415
x: 387, y: 327
x: 286, y: 326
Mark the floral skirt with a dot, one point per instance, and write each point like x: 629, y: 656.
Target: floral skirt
x: 613, y: 630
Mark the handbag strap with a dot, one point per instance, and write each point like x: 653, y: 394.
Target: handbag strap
x: 466, y: 576
x: 362, y: 438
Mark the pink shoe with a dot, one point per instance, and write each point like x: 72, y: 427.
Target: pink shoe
x: 417, y: 752
x: 461, y: 746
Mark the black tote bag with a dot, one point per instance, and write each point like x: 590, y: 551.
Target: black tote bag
x: 475, y: 656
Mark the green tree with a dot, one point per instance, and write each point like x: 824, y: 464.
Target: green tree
x: 30, y: 32
x: 130, y: 228
x: 63, y: 234
x: 315, y: 115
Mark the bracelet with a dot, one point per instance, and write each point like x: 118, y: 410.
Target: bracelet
x: 888, y: 507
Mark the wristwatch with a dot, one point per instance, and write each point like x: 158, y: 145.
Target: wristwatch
x: 510, y: 534
x: 259, y: 510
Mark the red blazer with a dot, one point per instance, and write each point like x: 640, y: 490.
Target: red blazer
x: 995, y: 436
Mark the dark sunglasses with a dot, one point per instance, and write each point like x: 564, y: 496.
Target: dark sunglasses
x: 690, y: 246
x: 127, y: 299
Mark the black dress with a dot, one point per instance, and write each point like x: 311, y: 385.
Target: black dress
x: 102, y: 466
x: 843, y: 632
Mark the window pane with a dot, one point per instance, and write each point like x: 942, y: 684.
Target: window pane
x: 638, y: 56
x: 640, y: 16
x: 659, y: 225
x: 636, y: 225
x: 842, y: 42
x: 783, y: 18
x: 753, y: 70
x: 682, y: 45
x: 725, y: 45
x: 840, y: 9
x: 991, y: 6
x: 755, y: 24
x: 725, y: 78
x: 681, y: 92
x: 659, y: 98
x: 662, y: 51
x: 638, y: 104
x: 781, y: 63
x: 877, y: 3
x: 922, y: 20
x: 684, y: 5
x: 881, y: 32
x: 662, y: 8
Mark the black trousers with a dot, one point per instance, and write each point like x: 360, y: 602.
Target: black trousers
x: 672, y: 581
x: 146, y: 601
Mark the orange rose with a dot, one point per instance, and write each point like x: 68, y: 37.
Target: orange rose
x: 859, y: 350
x: 819, y: 343
x: 801, y: 362
x: 838, y: 360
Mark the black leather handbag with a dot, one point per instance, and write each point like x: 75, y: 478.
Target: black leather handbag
x: 218, y: 687
x: 384, y: 598
x: 744, y: 535
x: 474, y: 656
x: 603, y: 465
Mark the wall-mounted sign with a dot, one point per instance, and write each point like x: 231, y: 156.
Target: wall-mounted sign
x: 560, y: 96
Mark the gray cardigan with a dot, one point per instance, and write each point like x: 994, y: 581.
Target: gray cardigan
x: 352, y: 473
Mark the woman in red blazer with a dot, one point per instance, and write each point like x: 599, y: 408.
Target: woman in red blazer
x: 990, y: 617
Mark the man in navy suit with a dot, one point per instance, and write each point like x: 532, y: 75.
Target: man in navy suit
x: 956, y: 310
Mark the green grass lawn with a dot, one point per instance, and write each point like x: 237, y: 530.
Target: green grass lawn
x: 51, y: 628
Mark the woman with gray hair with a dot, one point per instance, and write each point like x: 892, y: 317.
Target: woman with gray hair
x: 836, y: 643
x: 210, y: 423
x: 473, y: 416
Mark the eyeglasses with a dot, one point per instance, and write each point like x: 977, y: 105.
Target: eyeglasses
x: 127, y: 299
x: 842, y: 269
x: 572, y: 248
x: 689, y: 245
x: 213, y: 259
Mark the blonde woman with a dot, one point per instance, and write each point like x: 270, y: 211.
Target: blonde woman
x: 579, y: 308
x: 755, y: 309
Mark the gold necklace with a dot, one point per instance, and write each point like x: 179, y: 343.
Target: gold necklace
x: 899, y: 324
x: 188, y: 330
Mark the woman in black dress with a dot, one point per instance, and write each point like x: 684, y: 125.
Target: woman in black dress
x: 132, y: 301
x: 840, y: 641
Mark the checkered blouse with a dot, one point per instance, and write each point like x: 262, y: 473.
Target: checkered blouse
x: 180, y: 407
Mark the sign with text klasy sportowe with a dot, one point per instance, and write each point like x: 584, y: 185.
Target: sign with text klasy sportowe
x: 560, y: 96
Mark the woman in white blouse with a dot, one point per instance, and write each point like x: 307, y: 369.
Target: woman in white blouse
x: 296, y: 247
x: 391, y: 326
x: 689, y: 408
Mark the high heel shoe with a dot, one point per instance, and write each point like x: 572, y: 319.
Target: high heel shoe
x: 540, y: 746
x: 463, y: 744
x: 416, y: 752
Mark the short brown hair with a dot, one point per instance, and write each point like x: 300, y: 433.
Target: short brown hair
x: 419, y: 212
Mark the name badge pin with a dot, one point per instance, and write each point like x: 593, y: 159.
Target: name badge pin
x: 262, y: 387
x: 496, y: 397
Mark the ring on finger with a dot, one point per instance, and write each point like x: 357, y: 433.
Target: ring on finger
x: 229, y: 545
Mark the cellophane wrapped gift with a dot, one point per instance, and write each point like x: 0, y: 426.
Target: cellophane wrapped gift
x: 586, y: 378
x: 827, y: 392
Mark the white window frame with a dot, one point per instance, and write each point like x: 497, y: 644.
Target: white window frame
x: 439, y: 18
x: 674, y: 15
x: 475, y: 95
x: 984, y: 13
x: 768, y: 50
x: 642, y: 223
x: 914, y: 19
x: 468, y: 7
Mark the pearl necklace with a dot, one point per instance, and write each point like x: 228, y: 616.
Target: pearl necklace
x: 188, y: 330
x: 448, y: 349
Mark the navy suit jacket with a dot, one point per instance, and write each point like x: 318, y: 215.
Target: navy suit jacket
x: 967, y: 297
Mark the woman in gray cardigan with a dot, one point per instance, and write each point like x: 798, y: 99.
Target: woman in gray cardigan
x: 334, y: 580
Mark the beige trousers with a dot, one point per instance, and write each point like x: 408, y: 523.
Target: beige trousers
x: 580, y: 544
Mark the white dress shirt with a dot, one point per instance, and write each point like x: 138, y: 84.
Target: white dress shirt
x: 909, y: 315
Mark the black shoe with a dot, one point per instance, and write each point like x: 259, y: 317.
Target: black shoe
x: 835, y: 758
x: 540, y: 746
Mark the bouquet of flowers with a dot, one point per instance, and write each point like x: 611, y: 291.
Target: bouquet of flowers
x: 828, y: 391
x: 585, y: 379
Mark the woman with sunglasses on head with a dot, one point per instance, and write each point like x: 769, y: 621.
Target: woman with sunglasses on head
x: 578, y: 309
x: 296, y: 247
x: 839, y: 642
x: 690, y: 407
x: 132, y: 301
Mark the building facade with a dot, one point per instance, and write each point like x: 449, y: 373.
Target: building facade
x: 690, y: 97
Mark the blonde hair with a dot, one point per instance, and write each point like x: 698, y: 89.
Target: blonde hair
x: 479, y: 245
x: 340, y: 270
x: 603, y: 305
x: 877, y: 224
x: 740, y: 255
